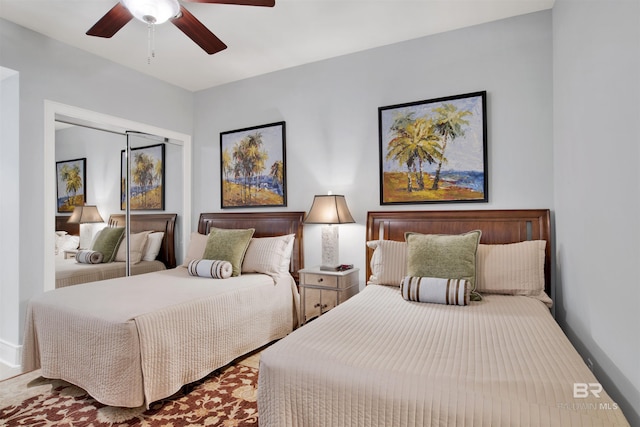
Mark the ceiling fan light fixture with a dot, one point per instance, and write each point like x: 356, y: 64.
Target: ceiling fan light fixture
x: 152, y: 11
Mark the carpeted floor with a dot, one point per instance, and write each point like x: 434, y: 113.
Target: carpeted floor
x: 227, y: 397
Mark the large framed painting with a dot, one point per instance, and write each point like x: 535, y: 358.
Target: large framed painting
x: 147, y: 178
x: 71, y: 178
x: 434, y: 151
x: 253, y: 167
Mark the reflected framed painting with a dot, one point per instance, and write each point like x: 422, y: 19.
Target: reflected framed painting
x: 147, y: 178
x: 434, y: 151
x: 71, y: 182
x: 253, y: 167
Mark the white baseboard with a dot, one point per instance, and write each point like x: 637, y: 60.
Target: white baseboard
x: 10, y: 354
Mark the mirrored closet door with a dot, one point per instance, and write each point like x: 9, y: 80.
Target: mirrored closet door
x: 115, y: 175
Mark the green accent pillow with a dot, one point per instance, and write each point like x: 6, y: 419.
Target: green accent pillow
x: 444, y: 256
x: 228, y: 245
x: 107, y: 242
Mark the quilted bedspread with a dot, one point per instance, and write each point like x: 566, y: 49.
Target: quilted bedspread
x: 378, y: 360
x: 131, y: 341
x: 69, y: 272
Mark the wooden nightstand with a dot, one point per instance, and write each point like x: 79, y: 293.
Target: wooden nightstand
x: 70, y: 254
x: 322, y: 290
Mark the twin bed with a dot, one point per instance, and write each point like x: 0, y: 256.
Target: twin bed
x: 375, y: 360
x: 69, y: 272
x: 381, y: 360
x: 131, y: 341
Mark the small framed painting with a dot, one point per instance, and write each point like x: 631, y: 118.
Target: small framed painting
x: 253, y: 167
x: 71, y: 178
x: 434, y: 151
x: 147, y: 178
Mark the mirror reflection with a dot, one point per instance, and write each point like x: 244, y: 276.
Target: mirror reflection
x: 93, y: 241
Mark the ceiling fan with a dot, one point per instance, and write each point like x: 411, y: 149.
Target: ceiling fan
x: 153, y: 12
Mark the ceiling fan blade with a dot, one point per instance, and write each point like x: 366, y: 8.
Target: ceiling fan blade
x: 196, y: 31
x: 111, y: 22
x: 266, y: 3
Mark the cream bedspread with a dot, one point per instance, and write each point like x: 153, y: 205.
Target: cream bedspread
x: 378, y: 360
x: 131, y: 341
x: 69, y: 272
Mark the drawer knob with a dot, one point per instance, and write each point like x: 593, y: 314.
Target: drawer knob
x: 316, y: 305
x: 320, y: 280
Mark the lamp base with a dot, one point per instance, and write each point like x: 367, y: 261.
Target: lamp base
x: 329, y: 247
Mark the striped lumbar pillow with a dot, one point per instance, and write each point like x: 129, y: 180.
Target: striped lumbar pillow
x: 88, y: 257
x: 434, y: 290
x: 212, y: 268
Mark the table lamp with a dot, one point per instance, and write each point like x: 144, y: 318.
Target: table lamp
x: 329, y: 211
x: 87, y: 214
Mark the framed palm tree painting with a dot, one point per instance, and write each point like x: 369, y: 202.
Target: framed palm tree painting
x: 146, y: 191
x: 434, y: 151
x: 253, y: 167
x: 71, y: 181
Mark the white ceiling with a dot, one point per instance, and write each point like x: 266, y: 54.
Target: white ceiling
x: 260, y: 40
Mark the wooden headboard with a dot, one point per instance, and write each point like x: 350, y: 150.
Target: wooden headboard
x: 63, y: 225
x: 266, y: 224
x: 498, y: 227
x: 165, y: 222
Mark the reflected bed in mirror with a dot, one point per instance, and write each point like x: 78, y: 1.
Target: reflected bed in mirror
x: 69, y: 272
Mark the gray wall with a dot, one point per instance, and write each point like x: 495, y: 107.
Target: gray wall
x: 50, y: 70
x: 331, y: 111
x: 597, y: 188
x: 9, y: 196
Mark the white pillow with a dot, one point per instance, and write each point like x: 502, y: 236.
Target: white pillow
x: 196, y: 248
x: 137, y: 242
x: 512, y: 269
x: 152, y: 247
x: 388, y: 262
x: 66, y: 242
x: 268, y: 255
x: 435, y: 290
x: 211, y: 268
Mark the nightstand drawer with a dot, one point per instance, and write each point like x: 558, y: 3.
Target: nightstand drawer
x: 329, y: 281
x: 69, y: 254
x: 323, y: 280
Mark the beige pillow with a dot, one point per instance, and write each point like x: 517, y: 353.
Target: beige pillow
x: 512, y: 269
x: 153, y: 245
x: 443, y: 256
x: 388, y: 262
x: 228, y: 245
x: 137, y: 242
x: 197, y: 244
x: 269, y: 255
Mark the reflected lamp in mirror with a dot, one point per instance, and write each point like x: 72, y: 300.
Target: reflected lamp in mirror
x: 85, y: 216
x: 329, y: 210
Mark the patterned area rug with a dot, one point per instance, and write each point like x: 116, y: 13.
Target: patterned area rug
x: 227, y: 397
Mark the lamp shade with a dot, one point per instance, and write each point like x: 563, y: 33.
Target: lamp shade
x: 329, y: 209
x: 85, y: 215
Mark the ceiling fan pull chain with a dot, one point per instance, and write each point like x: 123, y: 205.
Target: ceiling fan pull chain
x: 153, y: 40
x: 151, y: 49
